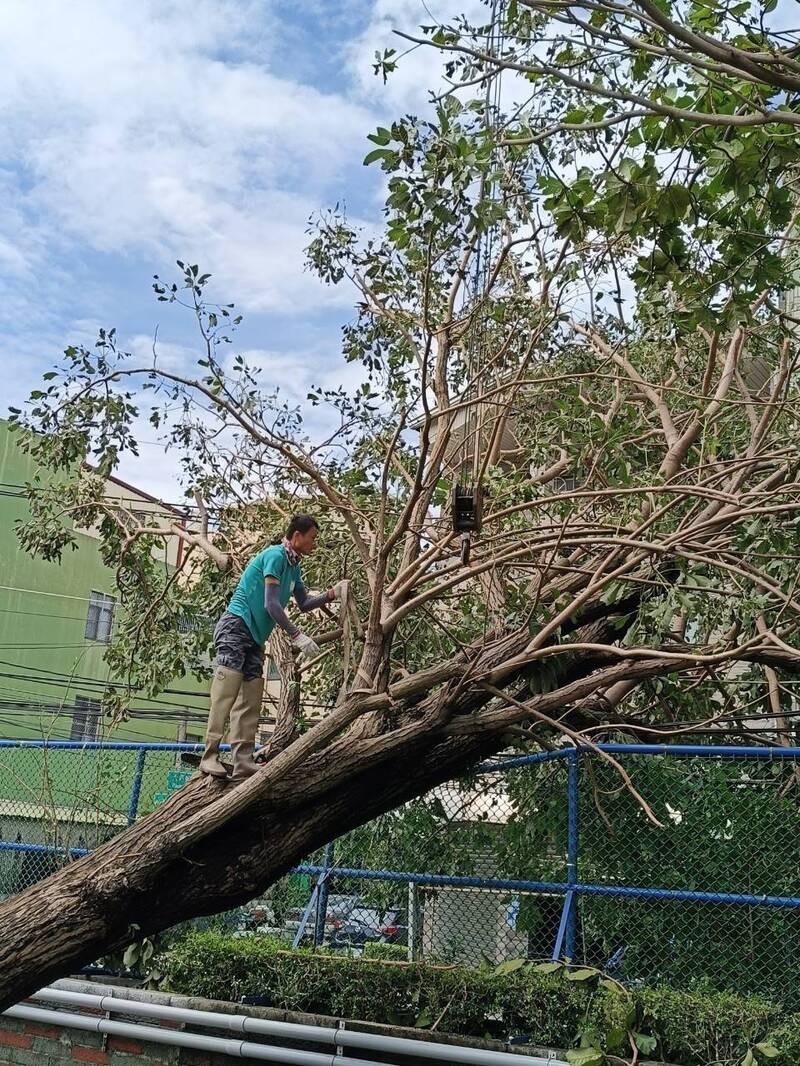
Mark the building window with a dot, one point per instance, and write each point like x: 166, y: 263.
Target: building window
x: 85, y: 719
x: 100, y: 617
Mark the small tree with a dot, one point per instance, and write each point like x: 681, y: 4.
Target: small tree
x: 575, y: 302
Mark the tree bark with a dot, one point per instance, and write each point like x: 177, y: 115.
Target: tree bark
x: 141, y: 878
x: 61, y: 923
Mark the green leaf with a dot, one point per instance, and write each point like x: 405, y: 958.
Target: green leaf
x: 424, y: 1019
x: 547, y: 967
x: 382, y: 136
x: 586, y: 1056
x: 378, y: 153
x: 645, y: 1043
x: 749, y: 1059
x: 612, y: 986
x: 509, y: 966
x: 131, y: 956
x: 615, y: 1039
x: 673, y: 203
x: 769, y: 1051
x: 584, y: 974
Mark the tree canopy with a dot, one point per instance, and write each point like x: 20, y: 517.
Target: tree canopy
x: 579, y: 301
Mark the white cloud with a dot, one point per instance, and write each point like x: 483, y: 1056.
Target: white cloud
x: 292, y: 373
x: 170, y: 356
x: 135, y: 134
x: 151, y: 129
x: 296, y: 373
x: 418, y: 71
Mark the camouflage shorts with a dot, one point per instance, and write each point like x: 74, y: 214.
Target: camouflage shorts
x: 235, y: 647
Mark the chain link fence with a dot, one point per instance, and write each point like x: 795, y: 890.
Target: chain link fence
x: 60, y: 799
x: 538, y: 857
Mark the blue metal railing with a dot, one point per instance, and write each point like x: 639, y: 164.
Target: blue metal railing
x: 571, y: 889
x: 103, y: 745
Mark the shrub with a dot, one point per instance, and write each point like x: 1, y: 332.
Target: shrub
x: 706, y: 1026
x: 555, y: 1006
x: 388, y: 952
x: 786, y: 1038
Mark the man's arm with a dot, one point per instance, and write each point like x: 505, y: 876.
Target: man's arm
x: 274, y: 609
x: 306, y: 602
x: 302, y: 643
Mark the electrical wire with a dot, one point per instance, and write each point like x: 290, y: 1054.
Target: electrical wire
x: 94, y: 684
x: 74, y: 681
x: 44, y: 614
x: 185, y: 509
x: 41, y: 592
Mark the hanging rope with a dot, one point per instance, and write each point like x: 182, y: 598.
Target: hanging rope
x: 467, y: 498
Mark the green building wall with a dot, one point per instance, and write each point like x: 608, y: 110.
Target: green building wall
x: 54, y: 800
x: 46, y: 662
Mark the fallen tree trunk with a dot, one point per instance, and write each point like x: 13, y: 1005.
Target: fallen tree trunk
x: 63, y: 922
x: 161, y: 871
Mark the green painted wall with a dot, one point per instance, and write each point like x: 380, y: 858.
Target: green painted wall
x: 46, y: 662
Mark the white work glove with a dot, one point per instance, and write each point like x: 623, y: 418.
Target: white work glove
x: 305, y: 646
x: 339, y: 590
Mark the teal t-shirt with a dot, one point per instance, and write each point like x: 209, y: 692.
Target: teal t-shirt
x: 248, y: 600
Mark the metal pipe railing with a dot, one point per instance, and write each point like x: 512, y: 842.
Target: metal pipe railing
x: 152, y: 1034
x: 335, y: 1038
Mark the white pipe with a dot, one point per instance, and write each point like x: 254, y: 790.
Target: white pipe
x: 242, y: 1049
x: 236, y: 1023
x: 337, y: 1038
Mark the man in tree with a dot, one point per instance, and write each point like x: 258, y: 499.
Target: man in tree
x: 257, y: 605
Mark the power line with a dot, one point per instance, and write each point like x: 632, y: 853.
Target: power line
x: 53, y: 733
x: 44, y: 614
x: 185, y: 509
x: 54, y: 678
x: 22, y: 707
x: 29, y: 646
x: 65, y: 681
x: 40, y: 592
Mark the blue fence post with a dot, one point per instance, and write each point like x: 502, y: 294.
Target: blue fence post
x: 312, y: 902
x: 573, y: 796
x: 324, y: 891
x: 564, y: 946
x: 136, y: 787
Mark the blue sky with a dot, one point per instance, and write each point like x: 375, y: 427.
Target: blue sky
x: 132, y: 135
x: 135, y: 134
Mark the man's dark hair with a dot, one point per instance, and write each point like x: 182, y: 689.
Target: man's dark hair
x: 300, y: 523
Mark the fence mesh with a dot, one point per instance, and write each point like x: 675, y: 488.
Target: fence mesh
x: 535, y: 858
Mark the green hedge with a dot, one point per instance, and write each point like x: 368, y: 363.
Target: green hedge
x: 388, y: 952
x: 557, y: 1009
